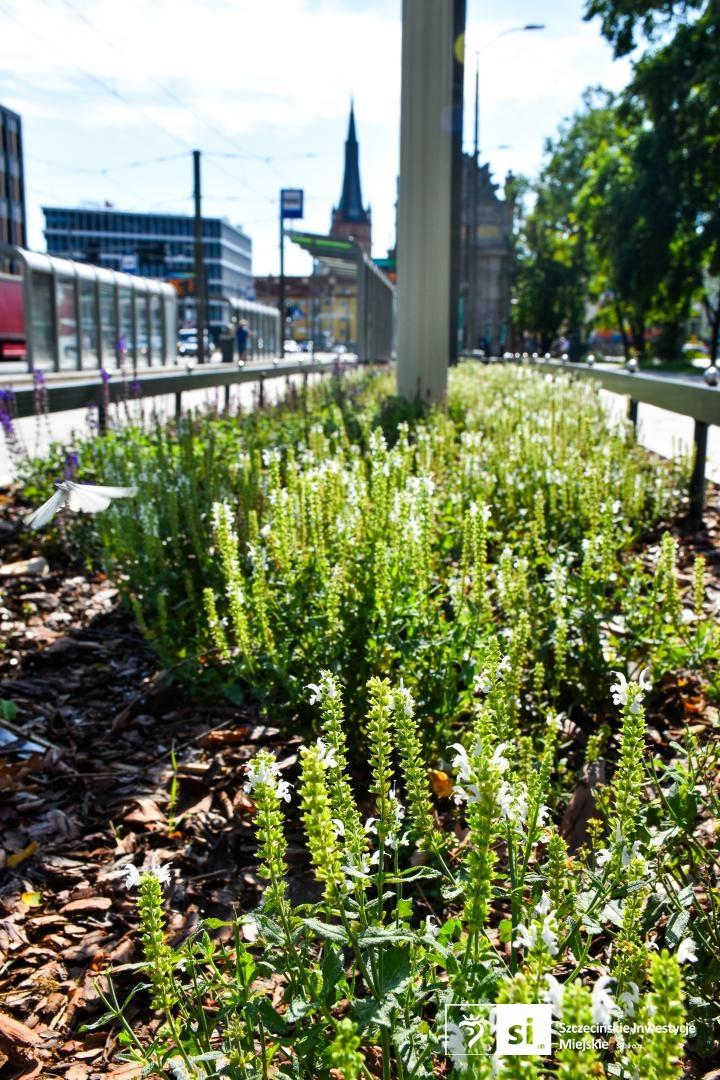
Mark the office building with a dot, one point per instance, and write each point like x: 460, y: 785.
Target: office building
x: 13, y: 227
x: 158, y: 246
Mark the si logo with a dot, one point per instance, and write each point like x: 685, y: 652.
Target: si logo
x: 523, y: 1029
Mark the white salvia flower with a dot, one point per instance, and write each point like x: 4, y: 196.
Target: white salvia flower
x: 221, y: 513
x: 468, y: 794
x: 408, y: 704
x: 482, y: 683
x: 133, y: 876
x: 525, y: 937
x: 554, y: 994
x: 179, y: 1070
x: 316, y: 693
x: 461, y: 762
x: 431, y: 926
x: 265, y: 531
x: 513, y: 801
x: 620, y: 689
x: 370, y: 828
x: 327, y: 754
x: 258, y: 773
x: 604, y: 1007
x: 547, y: 933
x: 629, y: 998
x: 543, y: 907
x: 686, y: 951
x: 498, y: 759
x: 554, y: 722
x: 504, y: 665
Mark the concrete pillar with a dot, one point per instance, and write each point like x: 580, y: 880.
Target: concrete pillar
x: 425, y: 195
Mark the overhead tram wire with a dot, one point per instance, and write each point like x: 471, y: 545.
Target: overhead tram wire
x: 241, y: 152
x: 100, y: 82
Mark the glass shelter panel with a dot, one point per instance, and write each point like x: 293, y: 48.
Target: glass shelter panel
x: 43, y: 321
x: 126, y: 321
x: 143, y: 335
x: 88, y: 324
x: 67, y: 329
x: 108, y: 327
x: 156, y: 328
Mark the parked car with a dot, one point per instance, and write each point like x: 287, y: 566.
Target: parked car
x: 291, y: 346
x: 187, y: 344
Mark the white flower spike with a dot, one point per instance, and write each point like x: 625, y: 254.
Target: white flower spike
x: 133, y: 875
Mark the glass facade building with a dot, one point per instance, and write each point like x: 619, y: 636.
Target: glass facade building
x: 13, y: 229
x: 157, y: 246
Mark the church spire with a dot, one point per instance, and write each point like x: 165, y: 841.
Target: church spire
x: 350, y: 207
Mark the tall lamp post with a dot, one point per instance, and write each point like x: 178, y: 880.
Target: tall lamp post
x: 471, y: 238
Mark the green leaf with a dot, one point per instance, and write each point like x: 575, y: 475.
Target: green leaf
x: 676, y: 928
x: 505, y: 931
x: 270, y: 1017
x: 383, y: 935
x: 8, y: 710
x: 299, y: 1008
x: 326, y: 931
x: 332, y: 971
x: 395, y: 969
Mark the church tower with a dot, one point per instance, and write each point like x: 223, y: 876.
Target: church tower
x: 350, y: 218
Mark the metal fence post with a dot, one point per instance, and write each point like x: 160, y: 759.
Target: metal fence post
x: 697, y: 479
x: 178, y: 404
x: 633, y: 412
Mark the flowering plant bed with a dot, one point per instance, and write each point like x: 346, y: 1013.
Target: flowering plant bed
x: 471, y: 610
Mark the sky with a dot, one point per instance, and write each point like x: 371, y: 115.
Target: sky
x: 115, y: 95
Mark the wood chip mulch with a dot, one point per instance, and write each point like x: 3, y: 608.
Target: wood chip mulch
x: 85, y: 776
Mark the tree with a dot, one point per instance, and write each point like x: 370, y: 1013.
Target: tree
x: 620, y: 19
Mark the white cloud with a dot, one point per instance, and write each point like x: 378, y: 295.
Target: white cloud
x: 266, y: 78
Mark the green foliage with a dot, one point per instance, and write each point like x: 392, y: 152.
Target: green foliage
x: 282, y: 545
x: 383, y: 975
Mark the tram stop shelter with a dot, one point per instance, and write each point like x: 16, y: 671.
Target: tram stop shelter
x: 79, y: 316
x: 374, y: 293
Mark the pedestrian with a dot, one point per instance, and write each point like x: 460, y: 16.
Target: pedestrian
x: 242, y: 336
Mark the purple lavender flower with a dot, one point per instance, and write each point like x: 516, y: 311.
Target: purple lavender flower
x: 72, y: 460
x: 105, y: 375
x: 38, y: 377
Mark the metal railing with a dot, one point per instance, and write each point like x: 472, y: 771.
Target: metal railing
x: 63, y: 395
x: 687, y: 397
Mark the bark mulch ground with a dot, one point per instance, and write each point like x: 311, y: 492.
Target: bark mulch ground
x: 85, y: 781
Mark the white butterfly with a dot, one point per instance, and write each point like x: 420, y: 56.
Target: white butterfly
x: 88, y: 497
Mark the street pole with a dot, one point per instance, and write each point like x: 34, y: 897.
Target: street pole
x: 425, y: 199
x: 471, y: 338
x: 281, y: 281
x: 200, y: 314
x: 459, y: 8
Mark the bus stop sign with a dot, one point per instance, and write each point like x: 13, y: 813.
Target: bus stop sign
x: 291, y: 203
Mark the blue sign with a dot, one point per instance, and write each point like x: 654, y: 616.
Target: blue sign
x: 291, y: 203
